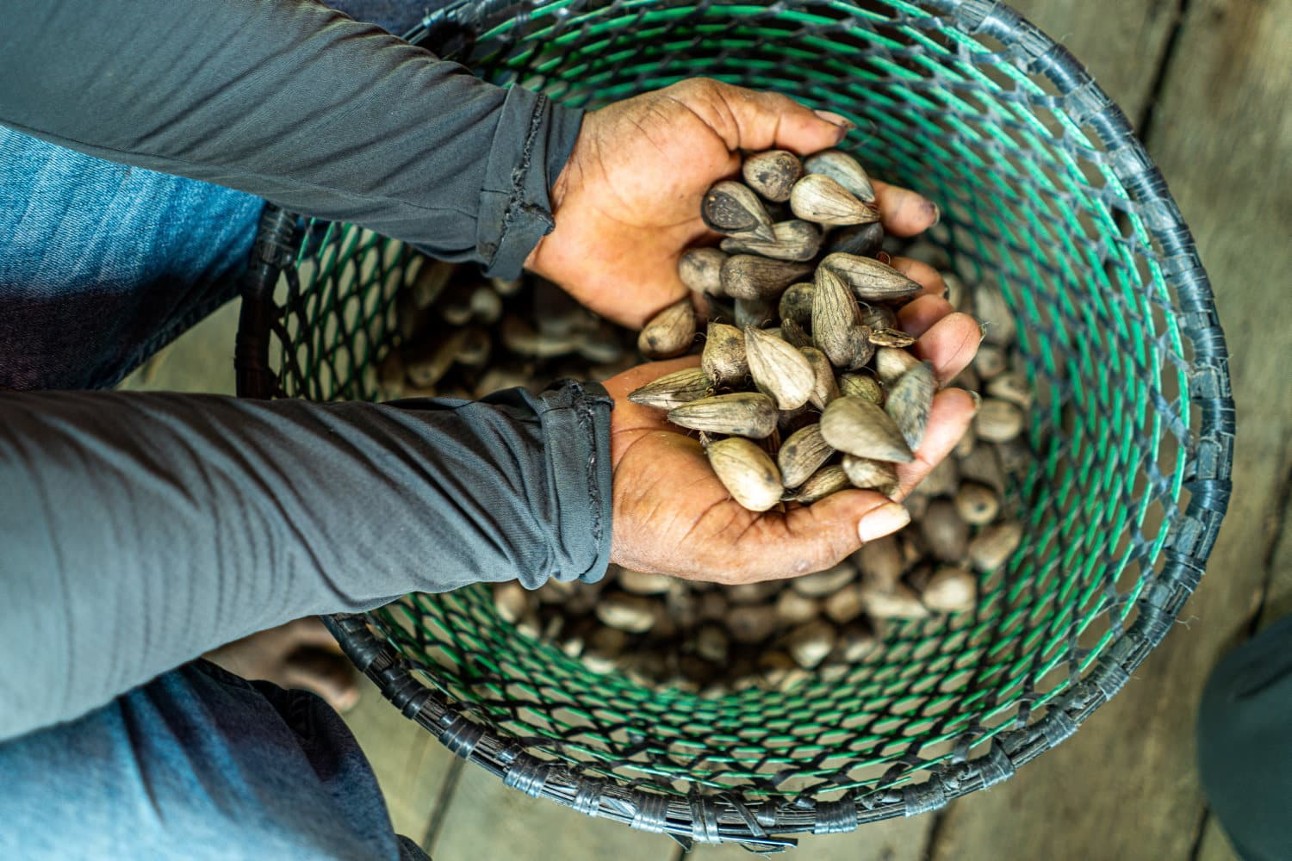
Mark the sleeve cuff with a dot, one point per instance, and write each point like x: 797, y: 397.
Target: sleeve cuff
x: 532, y: 142
x: 576, y: 428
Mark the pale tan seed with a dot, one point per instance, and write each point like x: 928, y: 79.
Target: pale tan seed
x: 644, y: 582
x: 826, y: 388
x: 998, y: 420
x: 845, y: 605
x: 859, y: 427
x: 945, y: 534
x: 826, y: 582
x: 992, y: 547
x: 977, y: 504
x: 796, y: 240
x: 746, y: 414
x: 724, y: 360
x: 867, y: 474
x: 772, y: 174
x: 633, y: 614
x: 670, y: 332
x: 794, y: 607
x: 899, y: 603
x: 871, y: 280
x: 862, y: 385
x: 802, y: 454
x: 701, y: 269
x: 843, y: 169
x: 822, y: 200
x: 880, y: 562
x: 673, y: 390
x: 809, y: 643
x: 779, y: 369
x: 1011, y: 386
x: 824, y: 482
x: 751, y: 623
x: 951, y: 589
x: 892, y: 363
x: 747, y: 472
x: 748, y: 276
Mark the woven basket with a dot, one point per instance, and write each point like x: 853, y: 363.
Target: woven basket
x: 1044, y: 192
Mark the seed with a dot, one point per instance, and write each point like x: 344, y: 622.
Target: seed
x: 700, y: 269
x: 826, y: 388
x: 861, y: 385
x: 476, y: 347
x: 772, y: 174
x: 792, y: 333
x: 990, y: 361
x: 511, y: 600
x: 998, y: 324
x: 751, y: 623
x: 747, y: 472
x: 711, y: 643
x: 998, y: 420
x: 824, y: 482
x: 957, y: 294
x: 427, y: 364
x: 757, y: 313
x: 836, y: 322
x: 942, y: 480
x: 723, y: 359
x: 822, y: 200
x: 886, y: 337
x: 859, y: 427
x: 864, y: 240
x: 880, y: 562
x: 802, y: 454
x: 977, y: 504
x: 745, y: 414
x: 796, y: 303
x: 824, y: 583
x: 809, y: 643
x: 670, y: 332
x: 855, y: 641
x: 748, y: 276
x: 843, y: 169
x: 909, y: 401
x: 779, y: 369
x: 496, y: 379
x: 730, y: 207
x: 983, y: 466
x: 881, y: 317
x: 891, y: 364
x: 845, y: 605
x: 950, y: 590
x: 795, y: 240
x: 601, y: 348
x: 486, y: 305
x: 673, y: 390
x: 1011, y: 386
x: 431, y: 280
x: 644, y: 582
x: 633, y: 614
x: 946, y: 535
x: 992, y: 547
x: 793, y: 608
x: 870, y: 280
x: 507, y: 286
x: 900, y: 603
x: 867, y: 474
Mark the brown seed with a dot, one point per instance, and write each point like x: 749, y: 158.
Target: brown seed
x: 603, y: 649
x: 879, y: 317
x: 432, y: 278
x: 747, y: 472
x: 802, y: 455
x: 886, y: 337
x: 950, y: 590
x: 824, y: 482
x: 793, y: 608
x: 1011, y: 386
x: 746, y: 414
x: 792, y: 333
x: 856, y: 641
x: 730, y: 207
x: 867, y: 474
x: 891, y: 364
x: 966, y: 443
x: 977, y: 504
x: 859, y: 427
x: 390, y: 374
x: 427, y: 364
x: 633, y: 614
x: 992, y: 547
x: 496, y: 379
x: 809, y: 643
x: 845, y: 605
x: 780, y: 672
x: 751, y: 623
x: 748, y: 276
x: 998, y: 420
x: 476, y: 348
x: 701, y: 269
x: 862, y: 385
x: 880, y: 562
x: 1015, y: 456
x: 957, y: 294
x: 824, y: 583
x: 942, y: 480
x: 673, y: 390
x: 821, y: 199
x: 711, y: 643
x: 843, y: 169
x: 772, y: 174
x: 723, y: 359
x: 983, y: 466
x: 916, y: 504
x: 644, y: 582
x: 795, y: 240
x: 900, y: 603
x: 486, y: 305
x: 520, y: 337
x: 754, y: 312
x: 512, y: 600
x: 779, y: 369
x: 909, y: 402
x: 670, y: 332
x: 989, y: 361
x: 836, y: 326
x: 796, y: 303
x: 864, y: 240
x: 870, y: 280
x: 945, y: 534
x: 997, y: 320
x: 826, y: 388
x: 507, y: 286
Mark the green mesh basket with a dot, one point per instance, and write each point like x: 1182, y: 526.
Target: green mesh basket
x: 1045, y: 192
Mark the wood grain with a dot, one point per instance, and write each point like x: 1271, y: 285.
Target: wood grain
x: 1124, y: 787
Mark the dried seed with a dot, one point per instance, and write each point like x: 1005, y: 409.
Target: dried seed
x: 861, y: 385
x: 1011, y: 386
x: 957, y: 294
x: 802, y: 455
x: 950, y: 590
x: 881, y: 317
x: 892, y: 363
x: 603, y: 649
x: 486, y: 305
x: 747, y: 472
x: 945, y: 534
x: 793, y: 608
x: 751, y: 623
x: 967, y: 443
x: 390, y: 374
x: 757, y: 313
x: 867, y: 474
x: 430, y: 282
x: 520, y: 337
x: 772, y: 174
x: 821, y: 199
x: 997, y: 320
x: 881, y: 563
x: 826, y: 388
x: 633, y: 614
x: 942, y: 480
x: 644, y: 582
x: 700, y: 269
x: 989, y: 361
x: 900, y: 603
x: 476, y: 347
x: 890, y: 337
x: 823, y: 483
x: 845, y: 605
x: 977, y: 504
x: 427, y: 364
x: 843, y: 169
x: 809, y: 643
x: 796, y: 240
x: 998, y: 420
x: 870, y: 280
x: 723, y: 359
x: 916, y: 504
x: 511, y: 600
x: 983, y: 466
x: 826, y: 582
x: 792, y: 333
x: 748, y: 276
x: 673, y: 390
x: 992, y: 547
x: 711, y: 643
x: 779, y: 369
x: 836, y: 326
x: 730, y: 207
x: 859, y: 427
x: 796, y: 303
x: 780, y: 672
x: 745, y: 414
x: 909, y: 401
x: 507, y: 286
x: 1015, y: 456
x: 670, y: 332
x: 497, y: 378
x: 855, y: 641
x: 601, y: 348
x: 863, y: 240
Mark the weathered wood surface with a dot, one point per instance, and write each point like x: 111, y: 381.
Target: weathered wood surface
x: 891, y: 840
x: 1125, y: 787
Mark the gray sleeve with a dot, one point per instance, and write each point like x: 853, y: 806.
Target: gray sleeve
x: 140, y: 530
x: 296, y: 103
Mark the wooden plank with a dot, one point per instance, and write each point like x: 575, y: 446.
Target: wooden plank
x: 1121, y: 42
x: 487, y: 819
x: 891, y: 840
x: 1124, y: 787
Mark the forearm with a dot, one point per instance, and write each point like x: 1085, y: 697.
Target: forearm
x: 142, y: 530
x: 294, y: 102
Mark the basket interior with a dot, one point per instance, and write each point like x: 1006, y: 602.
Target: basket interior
x: 1030, y: 204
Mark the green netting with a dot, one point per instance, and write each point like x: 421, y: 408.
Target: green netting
x: 1043, y: 193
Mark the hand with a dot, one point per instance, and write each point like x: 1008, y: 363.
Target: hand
x: 627, y: 203
x: 673, y: 516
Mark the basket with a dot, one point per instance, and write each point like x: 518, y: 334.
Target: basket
x: 1046, y: 194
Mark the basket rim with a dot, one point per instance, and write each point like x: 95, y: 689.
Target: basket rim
x: 725, y: 817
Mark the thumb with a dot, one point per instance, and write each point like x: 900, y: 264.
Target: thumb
x: 822, y: 534
x: 753, y: 120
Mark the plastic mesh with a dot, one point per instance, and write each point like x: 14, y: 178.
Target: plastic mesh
x: 1044, y: 194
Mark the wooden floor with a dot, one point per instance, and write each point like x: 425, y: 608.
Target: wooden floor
x: 1207, y: 83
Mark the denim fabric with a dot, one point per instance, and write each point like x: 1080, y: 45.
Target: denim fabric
x: 197, y: 764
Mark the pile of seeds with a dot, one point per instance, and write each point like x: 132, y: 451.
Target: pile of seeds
x: 804, y: 388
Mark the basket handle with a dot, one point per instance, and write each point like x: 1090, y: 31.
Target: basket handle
x: 274, y: 250
x: 450, y: 33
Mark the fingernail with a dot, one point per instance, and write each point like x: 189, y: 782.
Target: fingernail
x: 934, y: 211
x: 834, y: 119
x: 886, y: 519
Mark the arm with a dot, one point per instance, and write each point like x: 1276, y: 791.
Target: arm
x: 298, y: 104
x: 141, y: 530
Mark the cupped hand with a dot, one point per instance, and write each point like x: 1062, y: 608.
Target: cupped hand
x: 627, y: 203
x: 673, y: 516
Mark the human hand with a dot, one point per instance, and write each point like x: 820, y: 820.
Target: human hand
x: 673, y: 516
x: 627, y: 203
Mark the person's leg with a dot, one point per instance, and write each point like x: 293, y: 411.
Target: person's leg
x: 196, y: 764
x: 1245, y: 744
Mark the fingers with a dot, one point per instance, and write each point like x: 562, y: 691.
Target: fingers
x: 949, y: 418
x: 904, y: 212
x: 950, y: 344
x: 920, y: 315
x: 752, y: 120
x: 922, y: 273
x: 330, y: 676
